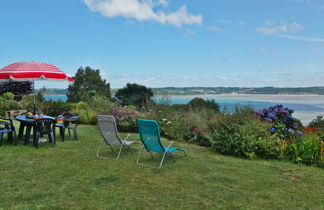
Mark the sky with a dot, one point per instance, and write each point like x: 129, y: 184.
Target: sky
x: 170, y: 43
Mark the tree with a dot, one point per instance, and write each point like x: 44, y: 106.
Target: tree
x: 17, y: 88
x: 199, y: 104
x: 87, y: 82
x: 134, y: 94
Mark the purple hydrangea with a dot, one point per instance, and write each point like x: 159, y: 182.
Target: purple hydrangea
x: 268, y: 119
x: 291, y: 131
x: 279, y: 114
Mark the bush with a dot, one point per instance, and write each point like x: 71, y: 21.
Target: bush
x: 243, y: 135
x: 199, y: 104
x: 89, y: 111
x: 284, y: 124
x: 125, y: 119
x: 54, y: 108
x: 308, y: 149
x: 7, y: 103
x: 181, y: 124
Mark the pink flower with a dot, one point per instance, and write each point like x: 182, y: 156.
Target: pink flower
x: 258, y: 112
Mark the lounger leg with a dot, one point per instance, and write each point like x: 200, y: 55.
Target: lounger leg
x: 164, y: 154
x: 100, y: 145
x: 121, y: 147
x: 152, y: 155
x: 130, y: 149
x: 172, y: 157
x: 139, y: 154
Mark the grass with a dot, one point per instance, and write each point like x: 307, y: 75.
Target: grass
x: 70, y: 176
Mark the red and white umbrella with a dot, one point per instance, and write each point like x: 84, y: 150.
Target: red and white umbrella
x: 22, y: 71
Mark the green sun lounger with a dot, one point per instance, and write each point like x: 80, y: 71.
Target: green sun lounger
x: 150, y: 136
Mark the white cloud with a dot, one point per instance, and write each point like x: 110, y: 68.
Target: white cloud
x: 301, y: 38
x: 316, y: 48
x: 215, y: 29
x: 189, y: 31
x: 242, y: 23
x: 279, y: 78
x: 274, y: 28
x: 223, y: 78
x: 143, y: 11
x: 163, y: 3
x: 263, y: 49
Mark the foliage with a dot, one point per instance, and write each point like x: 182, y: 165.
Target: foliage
x: 17, y: 88
x: 54, y: 108
x: 308, y: 149
x: 7, y: 103
x: 317, y: 126
x: 201, y: 104
x: 87, y: 83
x: 134, y: 94
x: 243, y: 135
x: 283, y: 123
x: 89, y: 111
x: 125, y: 119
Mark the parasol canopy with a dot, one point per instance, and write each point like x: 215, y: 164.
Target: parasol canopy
x: 22, y: 71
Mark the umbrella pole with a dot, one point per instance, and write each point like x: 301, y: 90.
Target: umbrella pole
x: 34, y: 99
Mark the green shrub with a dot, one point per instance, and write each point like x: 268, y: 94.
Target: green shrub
x: 89, y: 111
x: 54, y: 108
x: 244, y: 135
x: 125, y: 119
x: 7, y: 103
x: 306, y: 149
x: 199, y: 104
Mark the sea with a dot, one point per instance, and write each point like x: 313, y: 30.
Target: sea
x: 303, y: 110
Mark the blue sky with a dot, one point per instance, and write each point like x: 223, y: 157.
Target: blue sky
x: 163, y: 43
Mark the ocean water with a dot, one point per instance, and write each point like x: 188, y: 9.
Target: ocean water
x: 231, y: 104
x: 227, y: 104
x: 56, y: 98
x: 302, y: 109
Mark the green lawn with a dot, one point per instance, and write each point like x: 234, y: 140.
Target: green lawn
x: 70, y: 176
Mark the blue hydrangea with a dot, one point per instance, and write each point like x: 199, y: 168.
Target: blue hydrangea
x: 268, y: 119
x: 291, y: 131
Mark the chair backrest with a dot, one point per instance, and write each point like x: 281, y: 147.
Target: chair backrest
x: 45, y: 125
x: 150, y: 135
x: 108, y: 129
x: 72, y: 120
x: 7, y: 123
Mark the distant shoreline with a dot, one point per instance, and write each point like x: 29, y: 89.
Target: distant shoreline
x: 280, y: 98
x: 236, y: 94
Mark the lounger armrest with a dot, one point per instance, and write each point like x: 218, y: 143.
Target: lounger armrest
x: 169, y: 145
x: 128, y: 135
